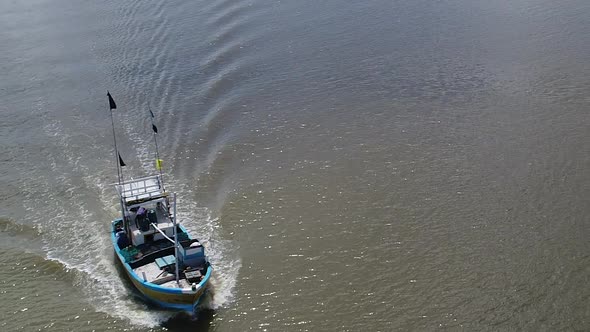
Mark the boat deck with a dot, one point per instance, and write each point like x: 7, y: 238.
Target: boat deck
x: 155, y: 263
x: 153, y: 274
x: 162, y: 272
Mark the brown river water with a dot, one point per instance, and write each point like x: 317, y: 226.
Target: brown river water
x: 376, y: 165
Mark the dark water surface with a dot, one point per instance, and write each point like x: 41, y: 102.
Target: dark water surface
x: 350, y: 165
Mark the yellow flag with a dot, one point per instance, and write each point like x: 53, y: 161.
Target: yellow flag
x: 159, y: 164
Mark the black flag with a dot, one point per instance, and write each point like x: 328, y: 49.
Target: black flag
x: 111, y: 101
x: 154, y: 128
x: 152, y: 114
x: 121, y: 163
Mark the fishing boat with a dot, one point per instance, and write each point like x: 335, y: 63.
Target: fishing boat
x: 162, y: 260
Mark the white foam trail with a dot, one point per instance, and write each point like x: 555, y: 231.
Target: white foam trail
x: 59, y: 214
x: 225, y: 273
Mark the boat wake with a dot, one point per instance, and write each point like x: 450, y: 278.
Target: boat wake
x: 77, y: 191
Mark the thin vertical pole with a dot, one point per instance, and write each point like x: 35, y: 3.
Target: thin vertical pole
x: 175, y: 239
x: 112, y: 106
x: 116, y: 151
x: 157, y: 150
x: 158, y: 159
x: 122, y: 179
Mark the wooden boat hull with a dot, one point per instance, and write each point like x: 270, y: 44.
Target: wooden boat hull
x: 165, y: 297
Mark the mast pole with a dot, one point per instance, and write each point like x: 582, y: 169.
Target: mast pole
x: 175, y: 239
x: 116, y: 151
x: 122, y: 180
x: 155, y: 133
x: 112, y: 106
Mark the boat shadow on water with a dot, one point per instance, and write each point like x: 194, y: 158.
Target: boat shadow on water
x: 185, y: 322
x: 180, y: 321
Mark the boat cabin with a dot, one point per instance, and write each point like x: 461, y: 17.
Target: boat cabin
x: 144, y: 202
x: 140, y: 217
